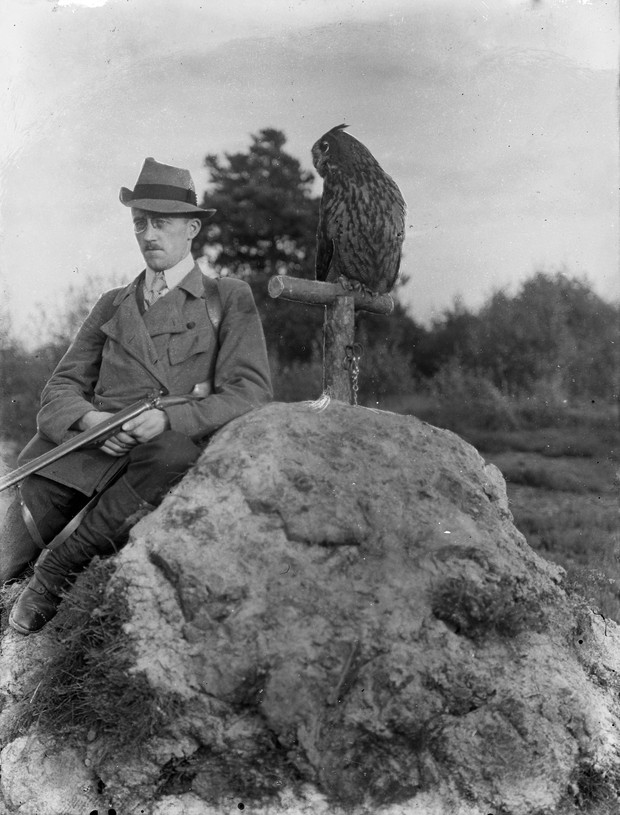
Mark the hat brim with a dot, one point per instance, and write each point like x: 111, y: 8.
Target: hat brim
x: 162, y: 205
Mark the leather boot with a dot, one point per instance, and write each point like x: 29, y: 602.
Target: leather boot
x: 17, y: 548
x: 37, y: 604
x: 103, y: 532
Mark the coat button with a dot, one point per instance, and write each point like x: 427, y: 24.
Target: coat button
x: 191, y: 325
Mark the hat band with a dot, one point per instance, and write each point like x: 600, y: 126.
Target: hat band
x: 165, y: 192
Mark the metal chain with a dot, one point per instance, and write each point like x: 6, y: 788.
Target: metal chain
x: 352, y: 363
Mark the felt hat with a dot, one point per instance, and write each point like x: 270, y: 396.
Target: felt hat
x: 162, y: 188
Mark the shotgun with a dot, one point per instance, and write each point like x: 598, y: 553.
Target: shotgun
x: 98, y: 433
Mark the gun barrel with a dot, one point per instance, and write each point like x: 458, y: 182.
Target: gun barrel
x: 98, y: 433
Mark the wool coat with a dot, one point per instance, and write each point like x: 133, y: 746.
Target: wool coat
x: 121, y: 356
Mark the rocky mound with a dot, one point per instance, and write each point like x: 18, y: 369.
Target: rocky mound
x: 332, y: 612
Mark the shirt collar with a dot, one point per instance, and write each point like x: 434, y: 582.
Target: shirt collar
x: 175, y: 274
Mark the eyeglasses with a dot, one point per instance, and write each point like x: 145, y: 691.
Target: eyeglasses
x: 158, y: 223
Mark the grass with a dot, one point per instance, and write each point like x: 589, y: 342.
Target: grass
x: 567, y: 508
x: 86, y: 690
x: 582, y: 476
x: 257, y: 777
x: 561, y: 468
x: 594, y: 791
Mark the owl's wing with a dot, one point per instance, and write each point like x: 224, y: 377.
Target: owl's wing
x: 389, y: 211
x: 390, y: 242
x: 324, y: 253
x: 330, y: 216
x: 371, y: 233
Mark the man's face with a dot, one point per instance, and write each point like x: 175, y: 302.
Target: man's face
x: 164, y: 240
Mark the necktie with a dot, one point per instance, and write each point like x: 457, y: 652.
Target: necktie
x: 158, y: 288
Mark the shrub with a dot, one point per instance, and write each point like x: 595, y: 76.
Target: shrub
x: 296, y: 381
x: 384, y: 371
x: 475, y: 611
x: 465, y: 399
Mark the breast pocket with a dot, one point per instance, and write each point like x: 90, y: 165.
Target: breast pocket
x: 184, y: 346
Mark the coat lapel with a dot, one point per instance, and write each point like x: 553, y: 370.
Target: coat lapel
x: 133, y: 331
x: 128, y: 329
x: 167, y: 315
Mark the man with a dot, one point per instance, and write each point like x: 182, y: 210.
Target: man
x: 159, y: 334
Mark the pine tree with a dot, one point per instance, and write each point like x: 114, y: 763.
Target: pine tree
x: 265, y: 224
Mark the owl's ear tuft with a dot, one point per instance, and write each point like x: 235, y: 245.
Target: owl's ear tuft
x: 337, y: 128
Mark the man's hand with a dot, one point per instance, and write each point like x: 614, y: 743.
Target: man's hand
x: 146, y: 426
x: 136, y: 431
x: 117, y: 445
x: 92, y: 418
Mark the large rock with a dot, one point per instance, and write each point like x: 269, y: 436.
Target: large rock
x: 332, y: 611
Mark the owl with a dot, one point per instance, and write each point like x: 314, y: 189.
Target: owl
x: 361, y: 218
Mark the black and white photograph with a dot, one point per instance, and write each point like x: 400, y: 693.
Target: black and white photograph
x: 309, y: 407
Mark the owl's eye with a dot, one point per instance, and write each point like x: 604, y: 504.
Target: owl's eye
x: 325, y: 146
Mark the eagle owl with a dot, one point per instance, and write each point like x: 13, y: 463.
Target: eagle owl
x: 362, y: 216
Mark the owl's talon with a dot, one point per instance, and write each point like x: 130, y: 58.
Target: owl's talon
x: 350, y: 285
x: 367, y: 290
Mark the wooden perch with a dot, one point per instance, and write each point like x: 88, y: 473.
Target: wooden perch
x: 317, y: 293
x: 339, y: 329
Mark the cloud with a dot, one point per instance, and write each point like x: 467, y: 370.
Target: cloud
x: 496, y: 120
x: 83, y: 3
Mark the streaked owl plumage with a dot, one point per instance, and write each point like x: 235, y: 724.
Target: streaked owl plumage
x: 362, y: 215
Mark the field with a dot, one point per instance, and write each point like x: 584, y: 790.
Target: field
x: 567, y: 508
x: 563, y: 487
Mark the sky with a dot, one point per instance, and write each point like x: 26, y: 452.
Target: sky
x: 498, y: 119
